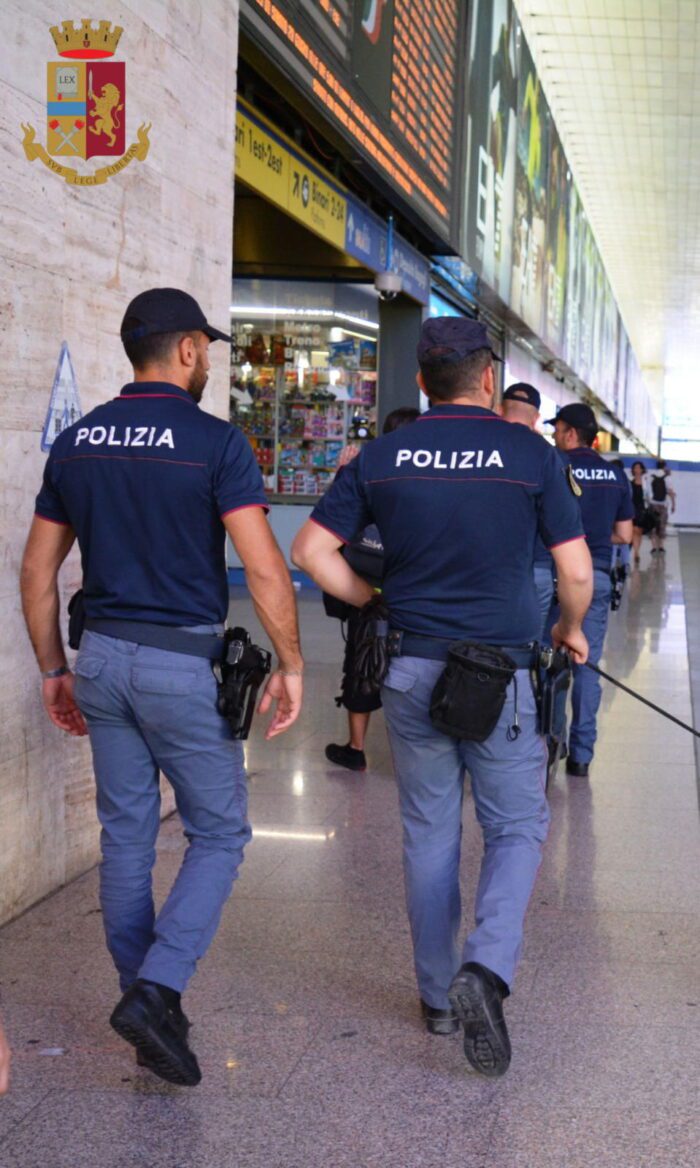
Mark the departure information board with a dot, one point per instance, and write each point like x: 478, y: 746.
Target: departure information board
x: 386, y: 73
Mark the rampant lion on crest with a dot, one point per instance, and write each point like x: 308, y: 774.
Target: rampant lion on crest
x: 105, y: 112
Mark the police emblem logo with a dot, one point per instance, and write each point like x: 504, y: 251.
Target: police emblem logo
x: 573, y: 485
x: 86, y: 106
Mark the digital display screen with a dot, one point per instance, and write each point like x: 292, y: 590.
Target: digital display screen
x: 387, y: 73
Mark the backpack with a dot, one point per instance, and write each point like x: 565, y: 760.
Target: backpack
x: 658, y: 488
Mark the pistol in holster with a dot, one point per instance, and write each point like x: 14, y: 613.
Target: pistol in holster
x: 239, y: 675
x: 618, y: 575
x: 76, y: 618
x: 551, y: 681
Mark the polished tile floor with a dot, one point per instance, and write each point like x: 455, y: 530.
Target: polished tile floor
x: 305, y: 1012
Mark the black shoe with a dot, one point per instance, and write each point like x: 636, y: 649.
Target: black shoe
x: 346, y: 756
x: 439, y: 1021
x: 143, y: 1019
x: 477, y: 997
x: 181, y: 1024
x: 580, y: 769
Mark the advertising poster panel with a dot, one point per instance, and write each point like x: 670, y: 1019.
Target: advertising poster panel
x: 491, y: 122
x: 572, y: 313
x: 592, y: 293
x: 578, y: 332
x: 557, y: 244
x: 621, y: 375
x: 531, y: 161
x: 607, y: 342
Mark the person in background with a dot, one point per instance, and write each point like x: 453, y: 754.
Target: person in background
x: 621, y: 552
x: 661, y: 492
x: 358, y: 705
x: 640, y: 521
x: 521, y: 403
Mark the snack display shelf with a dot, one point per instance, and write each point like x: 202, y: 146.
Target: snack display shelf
x: 296, y: 392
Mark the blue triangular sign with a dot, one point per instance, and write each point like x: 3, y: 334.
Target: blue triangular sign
x: 64, y: 406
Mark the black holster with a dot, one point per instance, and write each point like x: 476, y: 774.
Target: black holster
x: 239, y: 676
x: 371, y: 646
x: 551, y: 681
x: 470, y: 694
x: 76, y: 618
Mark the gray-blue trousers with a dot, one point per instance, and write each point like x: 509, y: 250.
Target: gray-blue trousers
x: 147, y: 711
x: 544, y: 587
x: 586, y: 690
x: 508, y: 786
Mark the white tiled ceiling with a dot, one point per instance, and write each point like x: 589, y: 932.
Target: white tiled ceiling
x: 622, y: 78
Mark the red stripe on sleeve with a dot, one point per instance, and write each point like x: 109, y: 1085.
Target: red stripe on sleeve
x: 329, y: 530
x: 244, y: 507
x: 57, y: 522
x: 574, y: 539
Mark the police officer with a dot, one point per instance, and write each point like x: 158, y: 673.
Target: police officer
x: 459, y: 498
x: 606, y: 511
x: 521, y: 403
x: 150, y: 485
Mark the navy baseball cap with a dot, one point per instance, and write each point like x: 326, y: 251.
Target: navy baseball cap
x: 167, y: 310
x: 452, y: 338
x: 578, y: 415
x: 522, y: 391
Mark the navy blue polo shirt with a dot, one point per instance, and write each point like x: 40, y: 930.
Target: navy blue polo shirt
x: 145, y: 482
x: 459, y: 499
x: 606, y: 499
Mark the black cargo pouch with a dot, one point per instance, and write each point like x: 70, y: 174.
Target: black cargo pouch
x: 76, y: 618
x: 470, y: 694
x: 371, y: 646
x: 239, y: 675
x: 551, y: 679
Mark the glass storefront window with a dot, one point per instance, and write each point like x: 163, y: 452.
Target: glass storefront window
x: 301, y: 389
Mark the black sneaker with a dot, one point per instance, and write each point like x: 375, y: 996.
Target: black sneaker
x: 182, y: 1025
x: 579, y: 769
x: 439, y: 1021
x: 346, y: 756
x: 143, y: 1019
x: 477, y: 996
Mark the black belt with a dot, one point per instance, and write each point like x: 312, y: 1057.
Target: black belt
x: 402, y: 644
x: 160, y: 637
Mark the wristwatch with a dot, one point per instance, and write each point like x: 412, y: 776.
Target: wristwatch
x: 50, y: 674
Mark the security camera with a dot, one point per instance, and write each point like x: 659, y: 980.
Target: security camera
x: 388, y: 285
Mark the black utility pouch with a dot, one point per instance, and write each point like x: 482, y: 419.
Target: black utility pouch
x: 76, y: 618
x: 336, y: 608
x: 470, y: 694
x: 552, y: 681
x: 239, y: 675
